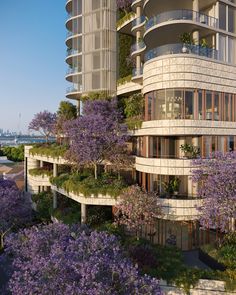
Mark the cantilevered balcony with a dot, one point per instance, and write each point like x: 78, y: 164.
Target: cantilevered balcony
x: 182, y: 15
x: 137, y: 48
x: 182, y: 49
x: 74, y: 92
x: 138, y: 22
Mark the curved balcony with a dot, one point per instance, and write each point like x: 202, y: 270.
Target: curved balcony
x: 75, y: 70
x: 138, y: 22
x: 71, y: 52
x: 182, y: 49
x: 186, y: 127
x: 180, y: 209
x: 69, y: 6
x: 163, y: 166
x: 136, y: 3
x: 137, y: 48
x: 103, y: 200
x: 182, y: 15
x: 71, y: 17
x: 137, y: 74
x: 74, y: 92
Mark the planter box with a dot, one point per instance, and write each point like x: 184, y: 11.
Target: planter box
x: 210, y: 261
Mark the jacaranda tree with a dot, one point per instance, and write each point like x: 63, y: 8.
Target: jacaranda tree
x: 137, y: 208
x: 58, y: 259
x: 15, y: 210
x: 97, y: 135
x: 123, y: 4
x: 216, y: 179
x: 44, y: 123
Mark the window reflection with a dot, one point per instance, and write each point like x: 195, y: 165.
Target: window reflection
x: 190, y: 104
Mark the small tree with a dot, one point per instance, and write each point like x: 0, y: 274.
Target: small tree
x: 44, y: 123
x: 137, y: 208
x: 216, y: 180
x: 96, y: 135
x: 66, y: 111
x: 15, y: 209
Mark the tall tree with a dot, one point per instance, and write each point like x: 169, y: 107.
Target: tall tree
x: 68, y: 260
x: 216, y: 180
x: 96, y: 135
x: 15, y: 209
x: 44, y: 123
x: 137, y: 208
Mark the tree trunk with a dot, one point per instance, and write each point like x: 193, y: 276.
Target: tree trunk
x: 1, y: 241
x: 95, y: 171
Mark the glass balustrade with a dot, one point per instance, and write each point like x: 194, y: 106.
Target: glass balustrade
x: 183, y: 14
x: 181, y: 48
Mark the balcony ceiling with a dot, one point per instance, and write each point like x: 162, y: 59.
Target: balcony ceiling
x: 154, y: 7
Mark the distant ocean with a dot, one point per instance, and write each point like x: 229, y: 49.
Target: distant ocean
x: 15, y: 141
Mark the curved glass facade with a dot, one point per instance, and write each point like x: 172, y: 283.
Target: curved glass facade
x: 192, y: 104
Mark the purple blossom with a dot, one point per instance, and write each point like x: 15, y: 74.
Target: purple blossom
x: 15, y: 209
x: 97, y: 135
x: 216, y: 179
x: 43, y: 122
x: 71, y: 261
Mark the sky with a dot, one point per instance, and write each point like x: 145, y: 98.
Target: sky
x: 32, y: 60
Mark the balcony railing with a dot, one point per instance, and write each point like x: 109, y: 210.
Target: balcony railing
x: 137, y: 72
x: 73, y: 89
x: 138, y: 21
x: 183, y: 15
x: 137, y: 46
x: 74, y: 70
x: 180, y: 48
x: 73, y: 51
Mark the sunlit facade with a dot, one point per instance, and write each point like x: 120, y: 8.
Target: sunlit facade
x: 185, y: 66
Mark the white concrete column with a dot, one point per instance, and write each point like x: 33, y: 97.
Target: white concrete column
x: 83, y: 213
x: 55, y: 170
x: 196, y: 5
x: 190, y: 186
x: 195, y: 141
x: 41, y: 164
x: 138, y: 11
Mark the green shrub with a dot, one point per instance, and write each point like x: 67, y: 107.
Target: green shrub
x: 40, y: 172
x: 124, y: 80
x: 44, y: 205
x: 15, y: 154
x: 125, y: 18
x: 49, y: 150
x: 125, y: 42
x: 87, y: 185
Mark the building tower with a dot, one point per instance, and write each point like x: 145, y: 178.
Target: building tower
x: 91, y: 47
x: 185, y: 66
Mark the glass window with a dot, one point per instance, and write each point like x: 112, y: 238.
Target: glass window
x: 200, y: 104
x: 216, y: 107
x: 178, y: 104
x: 160, y: 105
x: 189, y: 104
x: 170, y: 104
x: 232, y: 20
x: 231, y: 143
x: 208, y: 105
x: 222, y: 16
x: 222, y: 48
x: 150, y: 108
x: 232, y: 50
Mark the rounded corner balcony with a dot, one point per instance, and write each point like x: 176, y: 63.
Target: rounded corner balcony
x: 70, y: 37
x: 181, y: 18
x: 73, y: 73
x: 69, y: 6
x: 138, y: 48
x: 124, y: 25
x: 72, y: 54
x: 162, y: 166
x: 137, y: 75
x: 74, y: 92
x: 138, y: 23
x: 180, y: 209
x: 136, y: 3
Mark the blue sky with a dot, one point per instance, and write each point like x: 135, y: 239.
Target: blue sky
x: 32, y: 54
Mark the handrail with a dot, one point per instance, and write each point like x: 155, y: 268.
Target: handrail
x: 183, y: 14
x: 180, y: 48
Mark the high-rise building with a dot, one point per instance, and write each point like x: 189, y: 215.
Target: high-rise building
x: 185, y: 66
x: 183, y: 61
